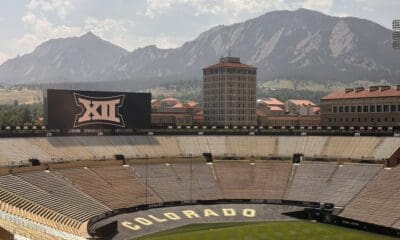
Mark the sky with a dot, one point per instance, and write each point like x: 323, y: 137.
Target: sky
x: 166, y: 23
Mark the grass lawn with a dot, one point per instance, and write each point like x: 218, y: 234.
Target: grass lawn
x: 298, y: 230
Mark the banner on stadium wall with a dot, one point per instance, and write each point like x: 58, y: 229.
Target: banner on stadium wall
x: 72, y: 109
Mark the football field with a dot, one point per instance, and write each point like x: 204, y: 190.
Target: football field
x: 299, y: 230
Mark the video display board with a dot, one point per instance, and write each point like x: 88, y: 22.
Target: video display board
x: 73, y: 109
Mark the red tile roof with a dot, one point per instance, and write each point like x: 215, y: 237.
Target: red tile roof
x: 170, y: 99
x: 273, y: 101
x: 302, y: 102
x: 192, y: 103
x: 275, y: 108
x: 178, y: 105
x: 362, y: 94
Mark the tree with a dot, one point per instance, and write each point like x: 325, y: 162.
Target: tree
x: 26, y: 116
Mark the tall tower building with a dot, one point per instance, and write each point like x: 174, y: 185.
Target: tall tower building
x: 229, y: 93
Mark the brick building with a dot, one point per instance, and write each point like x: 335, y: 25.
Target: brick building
x: 294, y: 113
x: 374, y: 106
x: 230, y: 93
x: 172, y: 112
x: 302, y: 107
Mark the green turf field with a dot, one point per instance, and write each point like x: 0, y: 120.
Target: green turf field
x: 298, y: 230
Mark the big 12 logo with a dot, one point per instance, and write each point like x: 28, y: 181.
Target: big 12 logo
x: 99, y: 110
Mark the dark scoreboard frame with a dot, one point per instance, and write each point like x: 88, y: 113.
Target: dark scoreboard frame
x: 65, y: 109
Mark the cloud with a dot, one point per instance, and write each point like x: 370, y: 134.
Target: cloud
x: 342, y: 14
x: 115, y: 30
x: 235, y: 10
x: 319, y: 5
x: 3, y: 57
x: 229, y: 9
x: 61, y: 7
x: 40, y: 29
x: 120, y: 32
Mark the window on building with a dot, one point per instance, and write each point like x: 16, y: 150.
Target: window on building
x: 393, y: 119
x: 340, y: 109
x: 372, y: 108
x: 335, y: 109
x: 353, y: 108
x: 352, y: 119
x: 372, y: 119
x: 365, y: 109
x: 379, y: 108
x: 346, y: 109
x: 347, y: 119
x: 359, y: 108
x: 393, y: 108
x: 358, y: 119
x: 386, y: 108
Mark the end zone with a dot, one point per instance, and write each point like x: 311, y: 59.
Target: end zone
x: 140, y: 223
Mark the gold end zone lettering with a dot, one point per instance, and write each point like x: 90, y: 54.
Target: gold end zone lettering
x: 208, y: 212
x: 247, y: 212
x: 151, y: 219
x: 143, y: 221
x: 172, y: 216
x: 229, y: 212
x: 130, y: 226
x: 190, y: 214
x: 160, y: 220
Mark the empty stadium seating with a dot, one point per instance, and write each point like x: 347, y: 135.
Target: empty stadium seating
x: 54, y: 184
x: 159, y: 169
x: 174, y: 182
x: 311, y: 178
x: 18, y: 151
x: 115, y: 187
x: 347, y: 181
x: 378, y: 202
x: 271, y: 179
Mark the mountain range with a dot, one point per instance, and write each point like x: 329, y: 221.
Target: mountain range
x: 301, y: 45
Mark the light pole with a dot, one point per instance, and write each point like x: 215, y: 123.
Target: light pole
x: 191, y: 176
x: 147, y: 172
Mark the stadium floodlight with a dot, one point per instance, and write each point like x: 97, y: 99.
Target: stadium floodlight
x: 396, y: 34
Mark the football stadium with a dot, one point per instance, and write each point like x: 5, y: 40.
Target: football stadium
x: 199, y: 120
x: 130, y: 186
x: 99, y: 170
